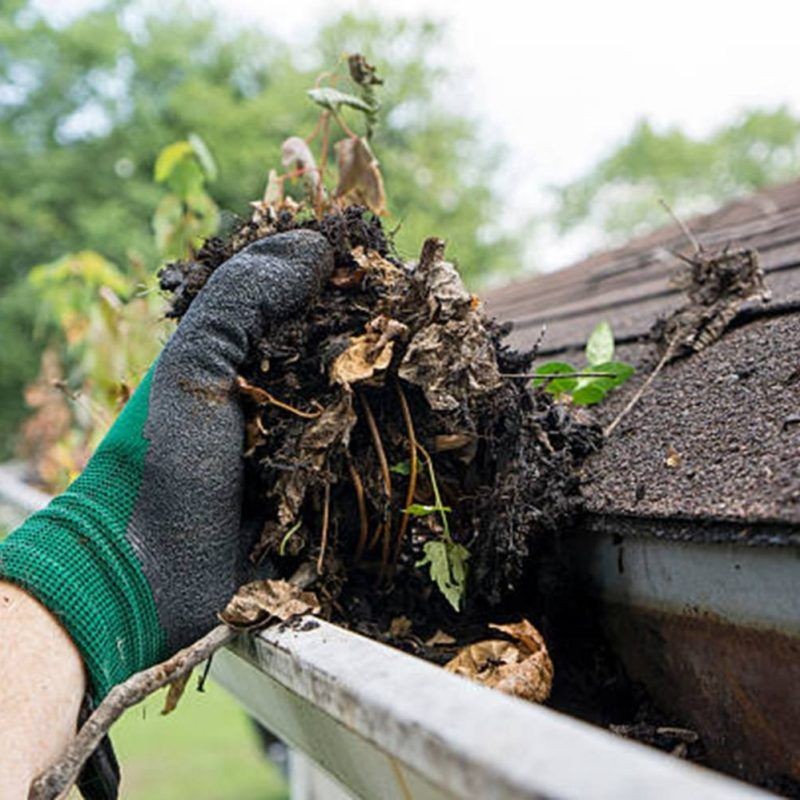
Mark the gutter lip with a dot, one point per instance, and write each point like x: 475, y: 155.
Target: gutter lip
x: 460, y: 737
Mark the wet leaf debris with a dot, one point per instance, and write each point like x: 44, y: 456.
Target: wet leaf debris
x: 384, y: 445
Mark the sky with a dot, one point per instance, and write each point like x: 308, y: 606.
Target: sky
x: 562, y: 83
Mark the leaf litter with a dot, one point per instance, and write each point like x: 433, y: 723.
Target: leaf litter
x: 383, y: 412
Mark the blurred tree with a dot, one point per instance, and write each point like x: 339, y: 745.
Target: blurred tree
x: 619, y: 195
x: 86, y: 106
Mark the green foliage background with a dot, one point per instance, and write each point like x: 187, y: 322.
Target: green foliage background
x: 693, y: 174
x: 86, y: 107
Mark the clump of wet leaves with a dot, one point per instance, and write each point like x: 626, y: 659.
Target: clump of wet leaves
x: 384, y: 444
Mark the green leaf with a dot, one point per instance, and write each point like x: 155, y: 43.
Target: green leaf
x: 620, y: 371
x: 186, y: 178
x: 204, y: 156
x: 555, y: 386
x: 333, y: 99
x: 401, y: 468
x: 448, y: 568
x: 600, y: 346
x: 588, y: 395
x: 169, y: 158
x: 420, y: 510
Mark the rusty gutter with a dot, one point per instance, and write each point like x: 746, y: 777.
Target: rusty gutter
x: 711, y: 626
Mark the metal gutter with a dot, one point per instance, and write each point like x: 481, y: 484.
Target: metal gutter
x: 387, y: 725
x: 712, y: 629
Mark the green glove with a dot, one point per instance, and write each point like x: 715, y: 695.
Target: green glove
x: 139, y: 554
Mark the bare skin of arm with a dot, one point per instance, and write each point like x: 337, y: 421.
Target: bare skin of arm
x: 42, y: 683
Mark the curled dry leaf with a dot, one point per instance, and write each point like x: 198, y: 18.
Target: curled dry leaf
x: 369, y: 353
x: 440, y: 639
x: 521, y: 668
x: 258, y: 603
x: 273, y: 194
x: 295, y: 154
x: 360, y: 179
x: 452, y: 358
x: 400, y: 626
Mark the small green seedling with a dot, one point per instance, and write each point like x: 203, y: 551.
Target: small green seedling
x: 591, y: 384
x: 445, y: 558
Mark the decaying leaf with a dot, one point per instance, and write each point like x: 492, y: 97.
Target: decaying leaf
x: 372, y: 261
x: 369, y: 353
x: 452, y: 357
x: 521, y: 667
x: 717, y: 283
x: 440, y: 639
x: 400, y: 626
x: 258, y: 603
x: 296, y: 154
x: 450, y: 361
x: 331, y: 428
x: 359, y: 177
x: 175, y: 691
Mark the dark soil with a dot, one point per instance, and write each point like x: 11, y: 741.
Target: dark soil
x: 505, y: 457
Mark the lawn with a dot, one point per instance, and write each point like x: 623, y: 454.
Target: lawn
x: 205, y: 750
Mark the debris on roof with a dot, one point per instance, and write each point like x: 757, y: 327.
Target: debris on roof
x: 716, y: 437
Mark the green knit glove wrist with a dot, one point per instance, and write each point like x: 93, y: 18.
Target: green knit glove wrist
x: 74, y: 557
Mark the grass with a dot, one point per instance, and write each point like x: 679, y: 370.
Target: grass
x: 206, y: 749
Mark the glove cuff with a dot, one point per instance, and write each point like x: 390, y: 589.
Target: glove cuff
x: 74, y: 557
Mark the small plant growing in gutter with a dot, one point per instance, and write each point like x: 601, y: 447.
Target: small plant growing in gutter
x: 588, y: 385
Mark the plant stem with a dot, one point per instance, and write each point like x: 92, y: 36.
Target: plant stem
x: 436, y: 495
x: 412, y: 474
x: 555, y: 375
x: 326, y: 514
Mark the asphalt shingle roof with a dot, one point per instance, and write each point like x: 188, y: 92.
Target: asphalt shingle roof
x: 731, y: 413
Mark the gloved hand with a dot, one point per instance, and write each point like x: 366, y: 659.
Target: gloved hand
x: 139, y: 554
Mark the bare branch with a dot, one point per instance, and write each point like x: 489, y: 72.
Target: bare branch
x: 58, y: 777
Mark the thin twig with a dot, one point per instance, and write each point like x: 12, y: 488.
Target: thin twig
x: 58, y: 777
x: 387, y: 478
x: 326, y: 514
x: 682, y: 225
x: 670, y: 351
x: 263, y: 397
x: 412, y: 473
x: 555, y: 375
x: 436, y: 494
x: 363, y: 530
x: 323, y: 161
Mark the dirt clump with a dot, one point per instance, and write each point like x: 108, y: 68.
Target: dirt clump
x: 385, y: 443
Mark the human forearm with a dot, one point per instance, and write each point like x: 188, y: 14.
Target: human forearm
x: 42, y: 684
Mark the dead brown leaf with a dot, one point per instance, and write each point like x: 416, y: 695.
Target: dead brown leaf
x: 295, y: 154
x: 175, y: 691
x: 521, y: 668
x: 360, y: 179
x: 369, y: 353
x: 440, y: 639
x: 399, y: 627
x: 258, y: 603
